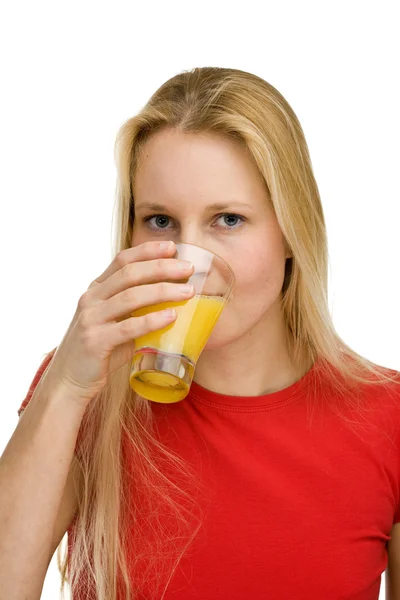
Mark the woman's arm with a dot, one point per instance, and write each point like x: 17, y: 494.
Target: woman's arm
x: 34, y: 469
x: 392, y: 573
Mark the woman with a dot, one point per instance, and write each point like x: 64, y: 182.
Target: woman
x: 276, y: 477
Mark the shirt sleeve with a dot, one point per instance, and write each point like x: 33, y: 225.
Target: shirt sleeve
x: 396, y: 517
x: 39, y: 374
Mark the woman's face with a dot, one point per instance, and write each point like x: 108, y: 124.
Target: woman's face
x: 180, y: 179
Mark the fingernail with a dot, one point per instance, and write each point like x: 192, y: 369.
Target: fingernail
x: 165, y: 245
x: 169, y: 313
x: 186, y: 288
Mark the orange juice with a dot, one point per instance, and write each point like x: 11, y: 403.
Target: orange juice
x: 183, y: 339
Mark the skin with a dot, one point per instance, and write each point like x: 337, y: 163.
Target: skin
x: 186, y: 173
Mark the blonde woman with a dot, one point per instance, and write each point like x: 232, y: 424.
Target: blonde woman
x: 278, y: 475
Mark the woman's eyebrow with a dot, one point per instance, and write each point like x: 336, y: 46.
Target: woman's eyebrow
x: 211, y: 207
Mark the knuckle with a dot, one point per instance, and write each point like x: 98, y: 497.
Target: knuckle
x: 127, y: 296
x: 121, y: 259
x: 149, y: 320
x: 126, y: 326
x: 127, y: 272
x: 159, y: 266
x: 83, y: 301
x: 93, y: 284
x: 164, y: 289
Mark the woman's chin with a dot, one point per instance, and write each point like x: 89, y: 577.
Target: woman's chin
x: 219, y: 337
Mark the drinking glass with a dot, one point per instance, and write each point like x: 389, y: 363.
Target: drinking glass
x: 164, y: 360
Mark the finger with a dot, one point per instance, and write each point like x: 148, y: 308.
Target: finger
x: 130, y: 300
x: 146, y: 251
x: 140, y: 273
x: 134, y: 327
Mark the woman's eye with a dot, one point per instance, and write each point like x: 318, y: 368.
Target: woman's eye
x: 228, y: 218
x: 161, y: 221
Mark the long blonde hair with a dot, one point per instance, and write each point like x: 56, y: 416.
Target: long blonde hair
x: 244, y: 107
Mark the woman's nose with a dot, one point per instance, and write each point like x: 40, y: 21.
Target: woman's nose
x: 200, y: 256
x: 190, y: 235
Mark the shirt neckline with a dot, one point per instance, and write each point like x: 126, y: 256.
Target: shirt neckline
x: 226, y: 401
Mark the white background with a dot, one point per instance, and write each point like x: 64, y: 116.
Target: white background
x: 73, y: 72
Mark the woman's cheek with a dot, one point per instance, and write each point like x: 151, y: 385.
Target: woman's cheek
x: 252, y: 273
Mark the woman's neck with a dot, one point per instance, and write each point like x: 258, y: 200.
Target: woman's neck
x: 256, y: 364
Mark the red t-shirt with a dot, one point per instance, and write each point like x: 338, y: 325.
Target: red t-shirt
x: 296, y: 508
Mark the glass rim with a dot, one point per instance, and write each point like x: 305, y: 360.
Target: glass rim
x: 223, y: 261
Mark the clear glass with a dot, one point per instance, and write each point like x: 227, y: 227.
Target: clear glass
x: 164, y: 360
